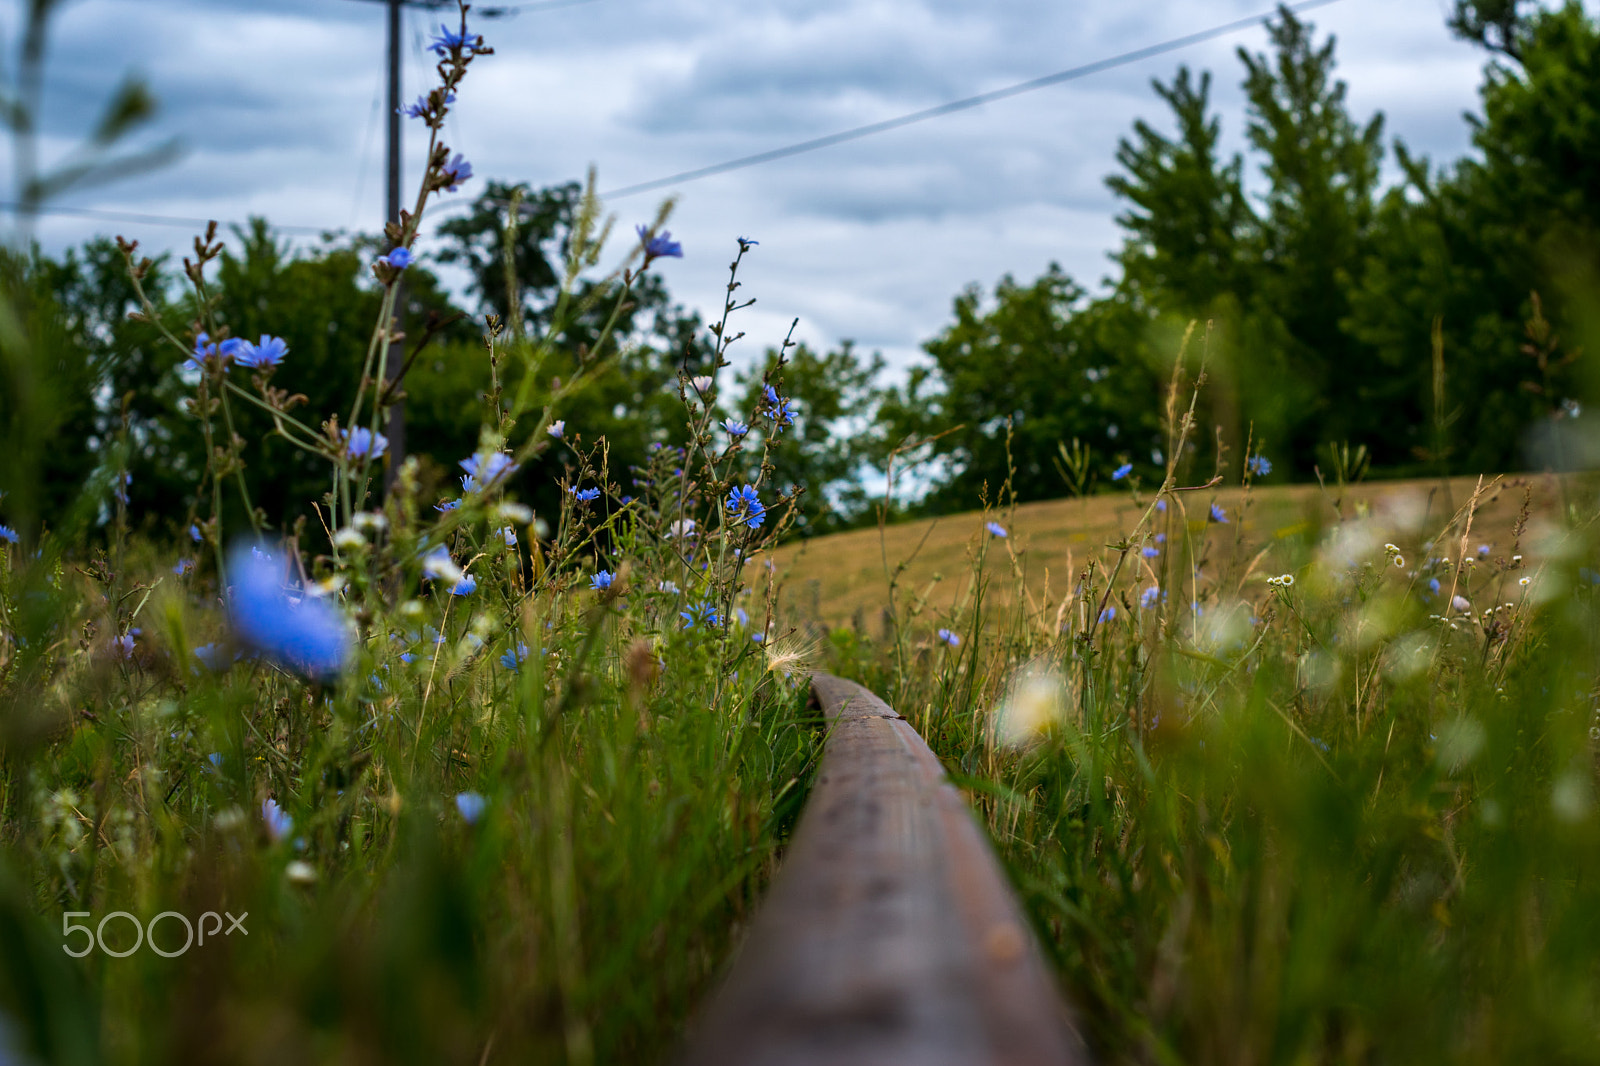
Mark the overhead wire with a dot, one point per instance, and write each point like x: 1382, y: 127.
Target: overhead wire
x: 954, y: 106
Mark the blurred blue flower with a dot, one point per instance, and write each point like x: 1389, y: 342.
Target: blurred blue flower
x: 1149, y: 551
x: 183, y: 567
x: 267, y: 352
x: 746, y: 507
x: 446, y: 506
x: 308, y: 635
x: 558, y: 428
x: 515, y: 657
x: 471, y: 806
x: 585, y: 495
x: 447, y: 40
x: 747, y: 240
x: 661, y: 245
x: 194, y: 532
x: 455, y: 172
x: 1260, y: 465
x: 1122, y: 471
x: 215, y: 759
x: 702, y: 613
x: 362, y: 443
x: 1161, y: 505
x: 996, y: 529
x: 120, y: 488
x: 486, y: 471
x: 277, y: 821
x: 735, y: 428
x: 1108, y: 614
x: 1218, y: 514
x: 509, y: 535
x: 212, y: 657
x: 398, y: 258
x: 1433, y: 585
x: 123, y: 645
x: 951, y: 638
x: 466, y: 586
x: 602, y: 580
x: 9, y: 534
x: 1148, y: 598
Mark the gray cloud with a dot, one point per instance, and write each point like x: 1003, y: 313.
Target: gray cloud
x: 277, y: 100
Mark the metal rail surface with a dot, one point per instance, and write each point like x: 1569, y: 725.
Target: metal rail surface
x: 890, y: 935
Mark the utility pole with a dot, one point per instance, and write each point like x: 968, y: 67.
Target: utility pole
x: 394, y: 352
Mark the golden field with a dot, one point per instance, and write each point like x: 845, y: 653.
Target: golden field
x: 843, y: 577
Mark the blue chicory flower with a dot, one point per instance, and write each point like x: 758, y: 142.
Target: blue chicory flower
x: 1218, y: 514
x: 735, y: 428
x: 278, y: 823
x: 466, y: 586
x: 659, y: 246
x: 455, y: 172
x: 1149, y: 551
x: 1122, y: 471
x: 486, y: 471
x: 308, y: 635
x: 362, y: 443
x: 446, y: 506
x: 471, y: 806
x: 9, y: 534
x: 557, y: 428
x: 951, y: 638
x: 601, y: 580
x: 267, y: 352
x: 745, y: 506
x: 212, y: 657
x: 194, y: 532
x: 779, y: 410
x: 703, y: 612
x: 1260, y: 465
x: 747, y: 241
x: 1148, y: 598
x: 996, y: 529
x: 1108, y: 614
x: 515, y: 657
x: 398, y: 258
x: 585, y: 495
x: 448, y: 40
x: 183, y: 567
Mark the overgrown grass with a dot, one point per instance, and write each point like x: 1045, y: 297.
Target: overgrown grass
x: 1338, y: 819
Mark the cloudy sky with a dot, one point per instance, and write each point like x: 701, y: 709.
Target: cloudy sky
x: 278, y: 105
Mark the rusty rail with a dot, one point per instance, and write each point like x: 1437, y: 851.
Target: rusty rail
x: 890, y: 935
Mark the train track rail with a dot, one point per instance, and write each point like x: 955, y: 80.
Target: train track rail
x: 890, y: 935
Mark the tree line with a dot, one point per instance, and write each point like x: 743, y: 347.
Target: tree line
x: 1437, y: 322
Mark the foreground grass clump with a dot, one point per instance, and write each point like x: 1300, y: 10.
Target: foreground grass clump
x: 451, y: 851
x: 1331, y: 799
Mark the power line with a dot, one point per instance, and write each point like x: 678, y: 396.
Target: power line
x: 958, y: 105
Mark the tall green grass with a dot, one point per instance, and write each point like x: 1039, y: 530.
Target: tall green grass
x: 1329, y: 820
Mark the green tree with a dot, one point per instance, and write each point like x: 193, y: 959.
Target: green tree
x: 1042, y: 365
